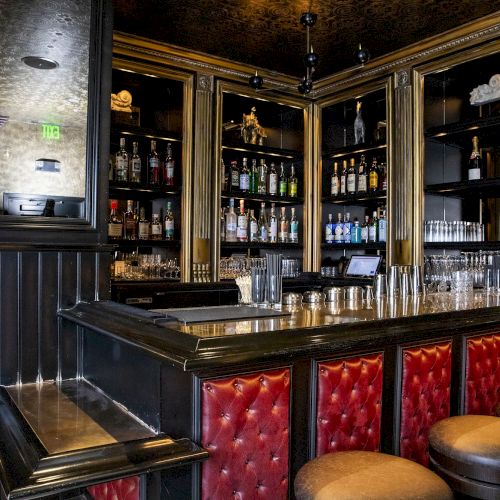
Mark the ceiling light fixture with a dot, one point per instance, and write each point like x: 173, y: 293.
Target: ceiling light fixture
x: 311, y: 59
x: 362, y: 55
x: 39, y: 62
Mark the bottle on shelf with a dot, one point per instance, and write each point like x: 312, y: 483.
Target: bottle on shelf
x: 135, y: 169
x: 272, y: 180
x: 283, y: 182
x: 338, y: 229
x: 242, y: 223
x: 475, y: 170
x: 293, y: 183
x: 262, y: 179
x: 253, y: 227
x: 335, y: 181
x: 231, y: 222
x: 156, y: 228
x: 382, y: 227
x: 343, y: 179
x: 254, y: 177
x: 373, y: 177
x: 169, y: 168
x: 356, y: 232
x: 153, y: 166
x: 222, y: 224
x: 144, y: 226
x: 262, y: 224
x: 169, y: 222
x: 293, y: 235
x: 273, y: 225
x: 329, y: 229
x: 383, y: 177
x: 284, y: 226
x: 121, y: 163
x: 244, y: 177
x: 362, y: 175
x: 234, y: 185
x: 373, y: 229
x: 364, y: 229
x: 351, y: 177
x: 130, y: 222
x: 347, y: 228
x: 115, y: 222
x: 223, y: 176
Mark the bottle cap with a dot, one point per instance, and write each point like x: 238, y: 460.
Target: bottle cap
x: 114, y: 204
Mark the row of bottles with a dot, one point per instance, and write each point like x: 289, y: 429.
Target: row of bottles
x: 244, y: 226
x: 159, y: 171
x: 344, y: 230
x: 133, y: 224
x: 358, y: 179
x: 260, y: 179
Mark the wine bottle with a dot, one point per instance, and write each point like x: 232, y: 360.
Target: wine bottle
x: 362, y: 175
x: 335, y: 181
x: 121, y: 163
x: 169, y: 223
x: 234, y: 185
x: 351, y: 177
x: 153, y: 166
x: 134, y: 174
x: 262, y: 224
x: 273, y: 225
x: 373, y: 177
x: 242, y: 223
x: 130, y: 222
x: 475, y: 161
x: 244, y: 177
x: 272, y: 187
x: 293, y: 235
x: 293, y: 183
x: 284, y: 227
x: 283, y: 182
x: 254, y: 227
x: 115, y: 223
x: 156, y: 228
x: 262, y: 179
x: 231, y: 222
x: 343, y: 179
x: 144, y: 227
x: 169, y: 168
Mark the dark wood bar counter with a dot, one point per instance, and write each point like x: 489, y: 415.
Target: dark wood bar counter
x: 331, y: 377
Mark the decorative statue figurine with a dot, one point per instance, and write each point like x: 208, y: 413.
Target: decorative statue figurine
x: 251, y: 131
x: 359, y: 126
x: 122, y: 101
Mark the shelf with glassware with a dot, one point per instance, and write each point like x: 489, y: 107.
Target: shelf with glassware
x: 462, y: 171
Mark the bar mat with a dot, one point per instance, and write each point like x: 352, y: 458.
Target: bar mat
x: 218, y: 313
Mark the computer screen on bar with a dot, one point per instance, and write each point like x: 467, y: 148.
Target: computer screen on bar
x: 363, y: 266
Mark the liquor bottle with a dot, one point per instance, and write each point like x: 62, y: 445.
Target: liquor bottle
x: 130, y: 222
x: 347, y: 228
x: 121, y: 163
x: 356, y: 232
x: 262, y: 179
x: 335, y: 181
x: 134, y: 174
x: 373, y: 176
x: 262, y: 224
x: 115, y: 223
x: 254, y: 177
x: 156, y: 228
x: 242, y: 223
x: 343, y: 179
x: 235, y: 177
x: 244, y: 177
x: 273, y: 225
x: 283, y: 183
x: 254, y: 227
x: 293, y: 183
x: 351, y: 177
x: 373, y: 229
x: 362, y: 176
x: 284, y: 227
x: 153, y: 166
x: 293, y: 235
x: 222, y: 224
x: 169, y: 223
x: 329, y: 229
x: 383, y: 177
x: 382, y: 227
x: 364, y: 230
x: 231, y: 222
x: 272, y: 180
x: 223, y: 176
x: 169, y: 168
x: 338, y: 230
x: 475, y: 161
x: 144, y: 227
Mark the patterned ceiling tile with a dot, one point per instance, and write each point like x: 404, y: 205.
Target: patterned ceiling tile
x: 267, y: 33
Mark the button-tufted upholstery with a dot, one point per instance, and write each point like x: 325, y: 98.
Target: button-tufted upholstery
x: 352, y: 475
x: 245, y: 428
x: 482, y: 396
x: 121, y: 489
x: 349, y: 403
x: 425, y: 396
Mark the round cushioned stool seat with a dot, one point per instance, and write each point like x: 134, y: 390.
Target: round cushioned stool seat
x: 366, y: 474
x: 465, y: 450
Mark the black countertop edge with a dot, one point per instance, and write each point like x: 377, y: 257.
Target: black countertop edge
x: 54, y: 247
x: 192, y: 353
x: 28, y: 471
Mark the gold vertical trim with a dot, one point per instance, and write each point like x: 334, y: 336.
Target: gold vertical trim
x: 309, y: 208
x: 317, y: 187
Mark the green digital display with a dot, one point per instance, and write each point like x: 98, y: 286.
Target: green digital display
x: 50, y: 131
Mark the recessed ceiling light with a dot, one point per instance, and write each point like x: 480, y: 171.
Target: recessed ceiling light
x: 39, y: 62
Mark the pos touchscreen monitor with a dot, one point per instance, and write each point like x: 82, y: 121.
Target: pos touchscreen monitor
x: 363, y: 266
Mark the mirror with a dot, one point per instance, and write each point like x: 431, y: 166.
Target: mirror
x: 44, y: 97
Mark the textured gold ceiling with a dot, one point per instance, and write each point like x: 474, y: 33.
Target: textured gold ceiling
x: 267, y: 33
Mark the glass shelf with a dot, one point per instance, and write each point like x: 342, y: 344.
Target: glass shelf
x: 486, y: 188
x: 262, y: 150
x: 260, y: 245
x: 366, y: 199
x: 283, y: 200
x: 146, y: 243
x: 159, y: 135
x: 130, y: 190
x: 465, y: 245
x: 353, y: 246
x: 353, y: 149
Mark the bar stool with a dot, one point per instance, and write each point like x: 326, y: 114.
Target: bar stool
x: 367, y: 474
x: 465, y: 452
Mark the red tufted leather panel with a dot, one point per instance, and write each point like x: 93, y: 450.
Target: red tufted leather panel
x: 245, y: 428
x: 349, y: 404
x: 425, y: 397
x: 482, y: 396
x: 121, y: 489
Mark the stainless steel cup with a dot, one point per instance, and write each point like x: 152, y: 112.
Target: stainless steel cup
x: 368, y: 293
x: 380, y: 285
x: 404, y: 285
x: 416, y: 280
x: 393, y: 283
x: 353, y: 293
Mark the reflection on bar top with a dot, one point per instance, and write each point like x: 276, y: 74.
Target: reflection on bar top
x: 337, y: 313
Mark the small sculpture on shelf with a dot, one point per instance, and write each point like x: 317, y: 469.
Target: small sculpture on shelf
x: 359, y: 126
x: 122, y: 101
x: 487, y: 92
x: 251, y: 131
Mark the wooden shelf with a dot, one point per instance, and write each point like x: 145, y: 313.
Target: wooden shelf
x: 155, y: 134
x: 483, y: 188
x: 257, y: 244
x: 253, y: 149
x: 353, y: 149
x: 471, y: 246
x: 146, y: 243
x: 364, y: 199
x: 281, y: 200
x: 353, y: 246
x: 130, y: 190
